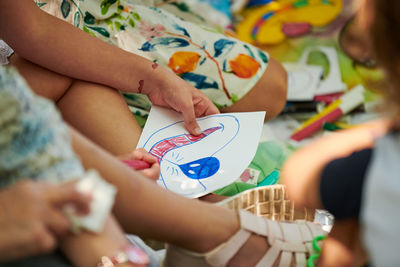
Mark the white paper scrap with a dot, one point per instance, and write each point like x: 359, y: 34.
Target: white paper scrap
x: 303, y: 81
x: 194, y: 166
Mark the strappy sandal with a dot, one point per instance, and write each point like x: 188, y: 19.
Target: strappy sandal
x: 286, y: 239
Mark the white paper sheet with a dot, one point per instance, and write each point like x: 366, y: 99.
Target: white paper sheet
x: 333, y: 82
x: 195, y: 166
x: 303, y: 81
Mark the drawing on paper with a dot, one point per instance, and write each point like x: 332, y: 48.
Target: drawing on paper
x: 185, y: 160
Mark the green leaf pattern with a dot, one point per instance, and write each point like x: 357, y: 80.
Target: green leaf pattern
x: 105, y: 5
x: 89, y: 18
x: 153, y: 29
x: 77, y: 19
x: 65, y: 8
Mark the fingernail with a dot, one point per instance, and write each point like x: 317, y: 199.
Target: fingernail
x: 197, y: 131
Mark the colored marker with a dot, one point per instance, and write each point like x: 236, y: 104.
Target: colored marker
x: 137, y: 164
x: 331, y: 127
x: 300, y: 106
x: 335, y: 110
x: 327, y: 99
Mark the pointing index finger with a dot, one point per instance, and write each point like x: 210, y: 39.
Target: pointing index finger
x: 190, y: 120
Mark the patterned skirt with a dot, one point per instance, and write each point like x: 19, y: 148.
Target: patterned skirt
x: 172, y: 34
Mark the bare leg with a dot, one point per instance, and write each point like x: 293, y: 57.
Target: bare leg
x: 97, y: 111
x: 101, y: 114
x: 86, y: 249
x: 269, y: 94
x: 139, y: 201
x: 146, y: 209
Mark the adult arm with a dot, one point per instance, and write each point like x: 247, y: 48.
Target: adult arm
x: 63, y: 48
x: 31, y: 217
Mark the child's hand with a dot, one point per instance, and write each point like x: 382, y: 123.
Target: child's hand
x: 153, y: 172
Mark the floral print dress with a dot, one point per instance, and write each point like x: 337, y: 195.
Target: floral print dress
x: 224, y: 68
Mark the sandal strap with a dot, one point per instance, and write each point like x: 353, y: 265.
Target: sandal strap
x: 286, y: 259
x: 252, y: 223
x: 271, y: 255
x: 305, y: 231
x: 274, y: 231
x: 221, y: 255
x: 287, y: 239
x: 287, y: 250
x: 301, y: 259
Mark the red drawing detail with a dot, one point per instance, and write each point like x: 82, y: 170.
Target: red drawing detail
x: 162, y: 147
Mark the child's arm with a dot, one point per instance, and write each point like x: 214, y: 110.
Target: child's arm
x: 63, y: 48
x: 302, y: 171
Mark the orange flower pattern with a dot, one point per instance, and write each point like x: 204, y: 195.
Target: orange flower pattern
x: 224, y: 68
x: 244, y: 66
x: 182, y: 61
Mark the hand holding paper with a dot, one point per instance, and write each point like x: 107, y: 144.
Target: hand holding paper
x: 193, y: 166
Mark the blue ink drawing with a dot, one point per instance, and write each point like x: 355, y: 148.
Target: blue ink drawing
x: 201, y: 168
x: 185, y: 157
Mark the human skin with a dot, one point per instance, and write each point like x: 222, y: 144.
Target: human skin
x: 77, y: 57
x: 144, y: 208
x: 85, y: 85
x: 31, y: 217
x: 301, y: 174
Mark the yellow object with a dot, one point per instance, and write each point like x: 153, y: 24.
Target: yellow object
x: 320, y: 115
x: 269, y: 30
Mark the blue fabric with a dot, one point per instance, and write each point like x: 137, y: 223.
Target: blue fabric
x: 221, y: 5
x: 34, y: 142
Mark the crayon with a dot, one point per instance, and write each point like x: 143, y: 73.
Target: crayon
x: 137, y: 164
x: 335, y: 110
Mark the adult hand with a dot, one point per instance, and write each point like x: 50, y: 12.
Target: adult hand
x: 31, y: 217
x: 169, y: 90
x: 141, y: 154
